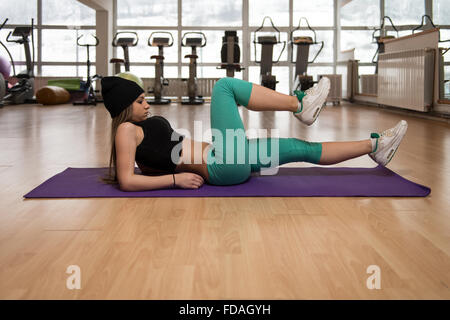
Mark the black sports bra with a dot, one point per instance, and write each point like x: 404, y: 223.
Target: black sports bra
x: 156, y: 148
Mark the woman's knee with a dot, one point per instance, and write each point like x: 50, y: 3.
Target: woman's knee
x: 222, y: 86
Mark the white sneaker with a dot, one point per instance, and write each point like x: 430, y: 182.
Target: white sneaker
x: 388, y: 142
x: 312, y: 101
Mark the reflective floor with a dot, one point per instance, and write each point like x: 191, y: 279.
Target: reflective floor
x: 219, y: 248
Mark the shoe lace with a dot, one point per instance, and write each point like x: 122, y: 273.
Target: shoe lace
x: 388, y: 133
x: 312, y: 90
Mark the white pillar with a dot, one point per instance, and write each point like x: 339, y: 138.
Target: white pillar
x: 104, y: 31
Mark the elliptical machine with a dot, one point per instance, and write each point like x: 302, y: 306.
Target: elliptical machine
x: 266, y: 78
x: 230, y: 53
x: 193, y: 42
x: 160, y: 81
x: 89, y: 97
x: 302, y: 80
x: 23, y: 90
x: 125, y: 43
x: 379, y: 40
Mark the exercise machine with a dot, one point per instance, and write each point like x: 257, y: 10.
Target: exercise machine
x: 160, y: 81
x: 442, y: 52
x: 125, y: 42
x: 379, y: 40
x: 193, y: 42
x: 267, y: 79
x: 89, y: 97
x: 230, y: 53
x: 431, y: 25
x: 301, y: 79
x: 23, y: 90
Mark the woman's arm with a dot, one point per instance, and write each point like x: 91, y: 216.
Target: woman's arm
x: 126, y: 143
x: 150, y: 171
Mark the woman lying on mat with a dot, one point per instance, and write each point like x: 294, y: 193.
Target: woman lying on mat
x: 230, y: 159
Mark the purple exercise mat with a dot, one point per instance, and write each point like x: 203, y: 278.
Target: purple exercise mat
x: 289, y: 182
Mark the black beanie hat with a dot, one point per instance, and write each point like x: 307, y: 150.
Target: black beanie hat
x: 119, y: 93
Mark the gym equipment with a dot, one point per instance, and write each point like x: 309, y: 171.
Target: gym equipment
x: 22, y: 91
x: 193, y: 42
x: 429, y: 27
x: 379, y: 39
x: 160, y: 81
x: 89, y: 97
x: 266, y: 78
x: 289, y: 182
x: 132, y: 77
x: 49, y: 95
x: 125, y: 43
x: 230, y: 53
x: 302, y: 80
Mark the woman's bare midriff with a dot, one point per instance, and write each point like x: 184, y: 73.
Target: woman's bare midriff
x: 193, y: 157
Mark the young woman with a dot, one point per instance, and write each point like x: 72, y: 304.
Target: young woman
x: 155, y: 146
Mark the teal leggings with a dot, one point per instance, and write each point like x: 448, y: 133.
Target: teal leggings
x: 233, y: 157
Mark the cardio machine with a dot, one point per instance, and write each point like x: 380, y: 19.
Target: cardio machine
x: 89, y: 97
x: 160, y: 81
x: 193, y: 42
x: 267, y: 79
x: 230, y: 53
x: 23, y: 90
x: 379, y: 40
x: 302, y: 80
x: 124, y: 42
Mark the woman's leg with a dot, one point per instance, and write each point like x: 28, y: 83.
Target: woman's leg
x: 271, y: 152
x: 224, y: 164
x: 264, y: 99
x: 224, y: 115
x: 335, y: 152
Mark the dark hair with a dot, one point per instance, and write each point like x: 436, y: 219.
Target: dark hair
x: 124, y: 116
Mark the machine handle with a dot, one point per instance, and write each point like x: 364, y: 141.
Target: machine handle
x: 3, y: 24
x: 150, y: 37
x: 278, y: 38
x: 421, y: 24
x: 291, y: 39
x: 7, y: 37
x: 382, y: 26
x: 318, y: 52
x: 298, y: 28
x: 374, y: 59
x: 114, y: 42
x: 200, y: 33
x: 273, y: 26
x: 282, y: 50
x: 88, y: 45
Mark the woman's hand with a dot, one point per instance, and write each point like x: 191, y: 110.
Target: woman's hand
x: 187, y: 180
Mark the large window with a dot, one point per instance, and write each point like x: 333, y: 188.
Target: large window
x: 360, y: 13
x: 66, y: 12
x: 212, y: 13
x: 317, y: 12
x: 18, y: 11
x: 405, y: 12
x: 441, y: 12
x: 277, y: 10
x: 147, y: 12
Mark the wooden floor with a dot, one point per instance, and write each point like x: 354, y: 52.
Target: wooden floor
x: 219, y: 248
